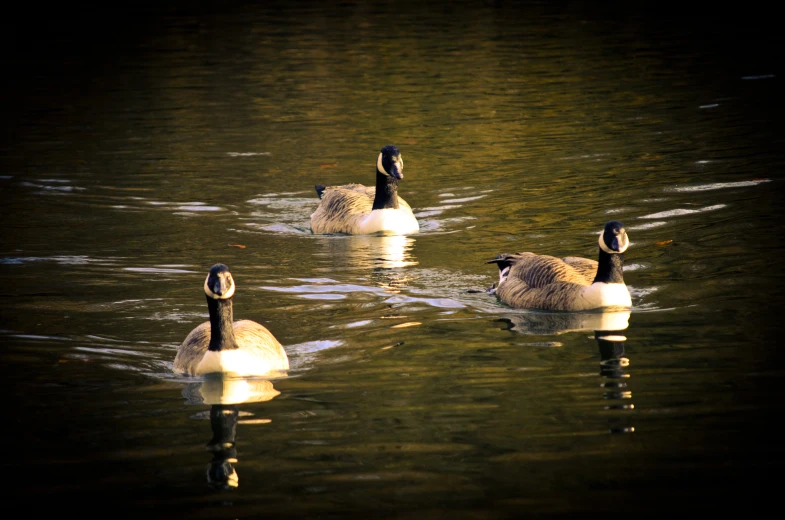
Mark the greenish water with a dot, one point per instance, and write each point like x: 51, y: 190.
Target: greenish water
x: 142, y: 146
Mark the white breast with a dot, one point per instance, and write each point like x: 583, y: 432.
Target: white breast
x: 396, y: 221
x: 601, y: 294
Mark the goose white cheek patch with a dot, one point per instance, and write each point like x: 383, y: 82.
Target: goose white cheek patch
x: 209, y: 292
x: 610, y: 251
x: 380, y: 167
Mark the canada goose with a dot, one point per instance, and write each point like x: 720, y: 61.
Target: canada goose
x: 223, y: 345
x: 358, y: 210
x: 531, y: 281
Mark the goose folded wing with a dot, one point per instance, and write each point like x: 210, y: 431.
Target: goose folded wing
x: 538, y: 271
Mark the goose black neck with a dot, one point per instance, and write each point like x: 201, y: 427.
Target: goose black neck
x: 386, y: 192
x: 610, y: 268
x: 223, y: 421
x: 221, y: 325
x: 611, y: 352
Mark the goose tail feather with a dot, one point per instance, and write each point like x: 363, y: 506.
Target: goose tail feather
x: 503, y: 260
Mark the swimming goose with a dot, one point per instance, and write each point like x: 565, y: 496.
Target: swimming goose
x: 531, y: 281
x: 223, y: 345
x: 358, y: 210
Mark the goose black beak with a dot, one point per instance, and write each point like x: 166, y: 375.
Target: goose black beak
x: 620, y: 242
x: 396, y: 172
x: 221, y: 286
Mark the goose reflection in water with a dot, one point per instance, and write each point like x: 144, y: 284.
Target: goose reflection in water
x: 554, y: 323
x: 613, y: 363
x: 384, y: 255
x: 607, y: 327
x: 224, y: 394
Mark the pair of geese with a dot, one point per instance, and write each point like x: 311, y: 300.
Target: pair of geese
x: 526, y: 280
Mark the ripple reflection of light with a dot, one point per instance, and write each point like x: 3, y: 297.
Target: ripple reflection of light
x: 372, y: 251
x: 718, y: 185
x: 682, y: 211
x: 228, y: 390
x: 537, y: 323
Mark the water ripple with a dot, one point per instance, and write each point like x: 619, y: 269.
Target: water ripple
x: 718, y: 185
x: 160, y: 270
x: 338, y: 287
x: 46, y: 188
x: 682, y: 211
x: 444, y: 303
x: 60, y: 259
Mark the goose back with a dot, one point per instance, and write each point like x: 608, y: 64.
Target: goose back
x: 349, y: 209
x: 545, y: 282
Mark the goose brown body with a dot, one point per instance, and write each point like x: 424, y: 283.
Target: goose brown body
x: 349, y: 209
x: 533, y: 281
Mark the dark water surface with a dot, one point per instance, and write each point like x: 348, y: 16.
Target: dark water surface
x: 142, y: 145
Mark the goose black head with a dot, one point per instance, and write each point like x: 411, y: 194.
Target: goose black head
x: 390, y: 162
x: 219, y: 284
x: 613, y: 239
